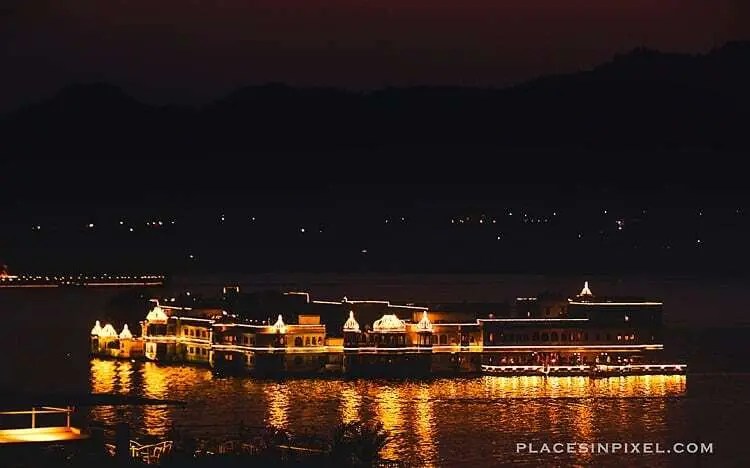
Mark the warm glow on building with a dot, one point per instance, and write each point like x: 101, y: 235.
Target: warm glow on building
x: 279, y: 326
x: 351, y: 324
x: 108, y: 331
x: 389, y: 324
x: 157, y: 315
x: 125, y: 334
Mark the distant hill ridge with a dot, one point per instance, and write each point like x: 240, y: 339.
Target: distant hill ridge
x: 642, y: 99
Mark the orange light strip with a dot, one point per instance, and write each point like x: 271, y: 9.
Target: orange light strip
x: 615, y: 303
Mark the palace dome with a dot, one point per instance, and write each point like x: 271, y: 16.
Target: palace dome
x: 586, y: 292
x: 424, y: 325
x: 97, y: 329
x: 279, y: 326
x: 157, y: 315
x: 125, y: 333
x: 108, y: 332
x: 389, y: 323
x: 351, y: 324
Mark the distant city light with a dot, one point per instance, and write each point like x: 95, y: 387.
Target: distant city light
x: 90, y: 225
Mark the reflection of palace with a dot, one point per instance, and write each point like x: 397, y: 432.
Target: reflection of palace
x: 545, y: 335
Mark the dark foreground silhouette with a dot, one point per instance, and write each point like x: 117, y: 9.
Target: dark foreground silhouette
x: 349, y: 444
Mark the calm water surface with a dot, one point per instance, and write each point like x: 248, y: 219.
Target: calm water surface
x: 448, y: 422
x: 443, y: 422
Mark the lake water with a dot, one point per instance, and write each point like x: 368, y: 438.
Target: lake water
x: 447, y: 422
x: 440, y: 422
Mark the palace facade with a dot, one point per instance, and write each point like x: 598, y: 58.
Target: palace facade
x: 548, y: 335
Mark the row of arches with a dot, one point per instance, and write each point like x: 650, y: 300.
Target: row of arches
x: 308, y: 341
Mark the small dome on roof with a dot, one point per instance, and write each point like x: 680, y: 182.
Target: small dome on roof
x: 157, y: 315
x: 108, y: 332
x: 424, y: 325
x: 125, y: 333
x: 586, y: 292
x: 389, y: 323
x: 97, y: 329
x: 279, y: 325
x: 351, y: 324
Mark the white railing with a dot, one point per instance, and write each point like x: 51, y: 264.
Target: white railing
x: 42, y: 410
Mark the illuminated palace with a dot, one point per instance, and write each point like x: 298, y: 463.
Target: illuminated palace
x: 583, y: 335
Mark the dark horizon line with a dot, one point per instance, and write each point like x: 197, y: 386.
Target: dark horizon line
x: 364, y: 91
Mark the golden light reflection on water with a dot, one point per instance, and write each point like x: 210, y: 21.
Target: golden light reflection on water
x: 580, y: 387
x: 388, y: 410
x: 349, y: 405
x: 103, y: 376
x: 277, y: 399
x: 424, y: 427
x: 103, y: 380
x: 155, y: 384
x: 430, y: 422
x: 124, y: 375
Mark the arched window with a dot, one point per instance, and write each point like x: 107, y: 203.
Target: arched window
x: 320, y: 340
x: 491, y: 338
x: 307, y: 341
x: 443, y: 339
x: 297, y: 341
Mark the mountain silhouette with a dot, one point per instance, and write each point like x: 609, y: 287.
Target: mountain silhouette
x: 641, y: 99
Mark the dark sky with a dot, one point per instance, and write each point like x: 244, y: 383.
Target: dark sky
x: 193, y: 50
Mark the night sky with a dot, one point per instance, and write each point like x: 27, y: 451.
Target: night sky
x: 193, y: 51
